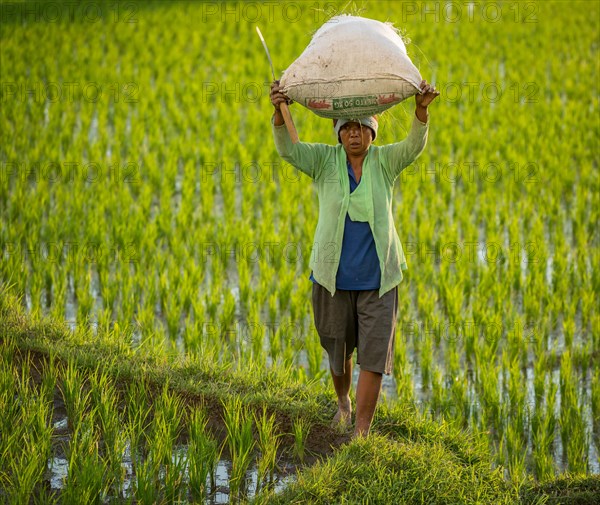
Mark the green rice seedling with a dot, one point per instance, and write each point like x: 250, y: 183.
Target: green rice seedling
x: 75, y: 395
x: 25, y: 475
x: 572, y: 424
x: 166, y: 425
x: 539, y: 372
x: 10, y: 408
x: 25, y: 444
x: 402, y: 375
x: 174, y: 474
x: 190, y: 333
x: 146, y: 484
x: 437, y: 393
x: 268, y: 443
x: 453, y: 295
x: 129, y: 296
x: 244, y: 282
x: 138, y: 420
x: 569, y: 324
x: 113, y: 437
x: 162, y: 457
x: 489, y: 393
x: 287, y: 332
x: 516, y: 452
x: 286, y: 283
x: 49, y: 376
x: 300, y: 429
x: 516, y: 397
x: 59, y: 294
x: 203, y: 455
x: 256, y: 332
x: 298, y: 305
x: 588, y: 304
x: 275, y: 342
x: 36, y: 290
x: 83, y: 294
x: 314, y: 354
x: 272, y: 305
x: 172, y: 312
x: 426, y: 362
x: 542, y: 439
x: 227, y: 316
x: 28, y: 464
x: 596, y: 400
x: 85, y: 477
x: 470, y: 340
x: 240, y: 441
x: 462, y: 408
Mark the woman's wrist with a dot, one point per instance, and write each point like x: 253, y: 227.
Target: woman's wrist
x: 422, y: 113
x: 278, y: 117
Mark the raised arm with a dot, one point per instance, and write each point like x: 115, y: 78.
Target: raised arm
x: 423, y: 99
x: 277, y: 98
x: 304, y: 156
x: 399, y: 155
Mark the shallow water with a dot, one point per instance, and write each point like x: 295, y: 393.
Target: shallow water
x: 58, y: 466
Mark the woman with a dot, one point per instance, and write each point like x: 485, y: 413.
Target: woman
x: 357, y: 258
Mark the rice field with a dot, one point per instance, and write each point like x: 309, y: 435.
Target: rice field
x: 143, y: 203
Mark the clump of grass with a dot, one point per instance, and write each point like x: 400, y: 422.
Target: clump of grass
x: 75, y: 395
x: 300, y: 429
x: 165, y: 430
x: 543, y: 426
x: 138, y: 420
x: 377, y: 469
x: 314, y: 355
x: 268, y: 443
x: 572, y: 424
x: 85, y: 478
x: 105, y: 402
x: 203, y: 455
x: 238, y: 424
x: 25, y: 435
x: 146, y: 487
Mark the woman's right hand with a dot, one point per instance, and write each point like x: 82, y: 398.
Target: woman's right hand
x: 277, y: 97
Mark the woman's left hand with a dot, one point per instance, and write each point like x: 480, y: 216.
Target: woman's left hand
x: 427, y: 95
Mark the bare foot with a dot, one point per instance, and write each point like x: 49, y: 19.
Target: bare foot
x: 343, y: 416
x: 360, y: 433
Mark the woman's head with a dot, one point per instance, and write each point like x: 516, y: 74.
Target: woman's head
x: 370, y: 121
x: 356, y: 135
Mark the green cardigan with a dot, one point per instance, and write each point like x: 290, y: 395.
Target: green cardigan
x: 371, y: 201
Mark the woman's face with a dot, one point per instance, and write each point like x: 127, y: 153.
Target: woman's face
x: 356, y: 138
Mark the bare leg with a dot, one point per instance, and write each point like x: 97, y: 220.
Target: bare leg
x: 342, y: 384
x: 367, y: 394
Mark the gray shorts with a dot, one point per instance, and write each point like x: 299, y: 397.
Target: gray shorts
x: 356, y: 320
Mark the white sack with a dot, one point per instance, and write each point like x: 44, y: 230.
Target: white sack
x: 353, y: 67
